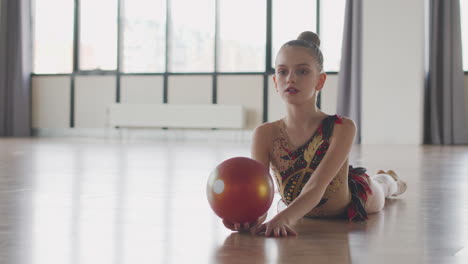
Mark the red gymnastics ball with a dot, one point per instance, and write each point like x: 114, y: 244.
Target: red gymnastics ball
x: 240, y: 190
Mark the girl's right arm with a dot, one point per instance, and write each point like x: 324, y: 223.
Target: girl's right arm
x: 260, y: 151
x: 261, y: 141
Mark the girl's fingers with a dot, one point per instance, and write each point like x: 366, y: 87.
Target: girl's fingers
x: 283, y: 231
x: 276, y: 231
x: 252, y: 227
x: 259, y: 229
x: 290, y: 231
x: 268, y: 230
x: 255, y: 230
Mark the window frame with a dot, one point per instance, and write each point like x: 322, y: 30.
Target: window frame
x: 268, y: 71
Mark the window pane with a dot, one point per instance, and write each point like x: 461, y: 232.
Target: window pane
x: 53, y: 36
x: 242, y: 50
x: 144, y: 31
x: 98, y: 34
x: 464, y: 29
x: 192, y: 36
x: 331, y: 32
x: 290, y: 18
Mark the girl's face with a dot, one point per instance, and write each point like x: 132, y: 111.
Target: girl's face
x: 297, y: 79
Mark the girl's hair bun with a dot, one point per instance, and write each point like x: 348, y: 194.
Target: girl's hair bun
x: 310, y: 41
x: 310, y: 36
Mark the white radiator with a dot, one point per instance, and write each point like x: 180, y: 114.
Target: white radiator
x: 176, y: 116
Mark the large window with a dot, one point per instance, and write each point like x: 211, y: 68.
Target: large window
x: 53, y: 36
x: 295, y: 16
x: 242, y: 40
x: 178, y: 36
x: 144, y: 36
x: 290, y: 18
x: 192, y: 36
x: 331, y: 32
x: 464, y: 28
x: 98, y: 35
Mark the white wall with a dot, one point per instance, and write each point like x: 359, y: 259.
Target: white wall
x: 329, y: 94
x: 93, y: 94
x: 51, y: 102
x: 141, y: 89
x: 276, y: 107
x: 246, y: 90
x: 466, y: 98
x: 190, y: 90
x: 393, y: 71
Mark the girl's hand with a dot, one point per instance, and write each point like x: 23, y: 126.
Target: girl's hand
x: 241, y: 227
x: 277, y: 227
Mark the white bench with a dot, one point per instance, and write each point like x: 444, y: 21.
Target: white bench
x: 176, y: 116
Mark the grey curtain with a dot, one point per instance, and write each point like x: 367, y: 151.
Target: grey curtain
x: 15, y: 68
x: 444, y: 113
x: 349, y: 77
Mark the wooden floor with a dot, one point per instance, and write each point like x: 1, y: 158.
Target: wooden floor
x: 107, y: 201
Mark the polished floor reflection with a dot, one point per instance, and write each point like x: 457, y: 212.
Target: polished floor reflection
x: 124, y: 202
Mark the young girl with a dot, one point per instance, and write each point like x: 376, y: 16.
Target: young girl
x: 308, y: 150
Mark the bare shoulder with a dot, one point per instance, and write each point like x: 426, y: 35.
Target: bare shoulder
x: 345, y: 127
x: 262, y: 141
x: 265, y: 132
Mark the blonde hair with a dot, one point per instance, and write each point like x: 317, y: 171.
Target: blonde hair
x: 311, y: 42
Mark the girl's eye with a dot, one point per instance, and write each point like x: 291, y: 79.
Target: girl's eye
x: 281, y: 72
x: 303, y: 72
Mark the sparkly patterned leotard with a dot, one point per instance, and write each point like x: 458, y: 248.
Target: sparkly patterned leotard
x: 346, y: 194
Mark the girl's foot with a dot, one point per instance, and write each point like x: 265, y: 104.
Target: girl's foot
x: 402, y: 186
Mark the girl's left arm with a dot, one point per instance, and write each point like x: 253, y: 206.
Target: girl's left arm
x: 313, y: 190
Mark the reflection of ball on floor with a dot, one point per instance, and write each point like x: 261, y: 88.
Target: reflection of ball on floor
x: 240, y: 190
